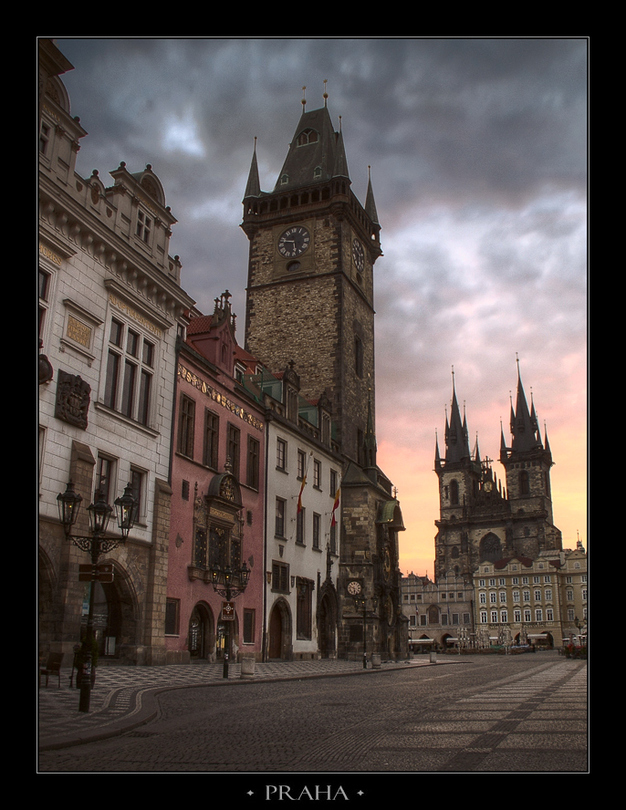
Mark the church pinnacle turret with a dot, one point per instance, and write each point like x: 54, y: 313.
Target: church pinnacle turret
x: 456, y: 436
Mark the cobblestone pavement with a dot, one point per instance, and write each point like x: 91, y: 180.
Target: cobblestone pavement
x: 123, y: 697
x: 492, y: 714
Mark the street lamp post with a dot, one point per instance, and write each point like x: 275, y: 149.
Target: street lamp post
x: 229, y: 583
x: 95, y: 544
x: 360, y: 603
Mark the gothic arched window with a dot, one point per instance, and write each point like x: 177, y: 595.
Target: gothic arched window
x: 307, y: 136
x: 454, y: 492
x: 524, y: 483
x: 490, y: 548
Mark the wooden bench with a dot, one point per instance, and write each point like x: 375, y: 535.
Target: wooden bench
x: 52, y: 667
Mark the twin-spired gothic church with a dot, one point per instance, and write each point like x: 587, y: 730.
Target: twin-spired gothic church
x: 482, y: 519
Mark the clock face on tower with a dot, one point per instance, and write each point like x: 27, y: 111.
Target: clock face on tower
x: 358, y: 255
x: 294, y: 241
x: 354, y: 588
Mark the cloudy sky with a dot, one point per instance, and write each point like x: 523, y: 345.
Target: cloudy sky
x: 478, y: 156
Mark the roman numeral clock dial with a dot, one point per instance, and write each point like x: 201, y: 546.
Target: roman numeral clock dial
x: 293, y: 242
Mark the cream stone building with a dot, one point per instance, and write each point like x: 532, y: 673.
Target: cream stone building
x: 110, y: 308
x: 537, y: 602
x: 515, y: 601
x: 303, y: 519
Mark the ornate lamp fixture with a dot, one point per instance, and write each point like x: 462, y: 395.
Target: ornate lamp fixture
x: 97, y: 542
x: 230, y: 583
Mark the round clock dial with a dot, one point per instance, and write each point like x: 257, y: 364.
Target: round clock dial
x: 294, y: 241
x: 354, y: 588
x: 358, y: 255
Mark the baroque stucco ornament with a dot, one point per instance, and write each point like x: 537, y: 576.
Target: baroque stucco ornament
x: 73, y: 397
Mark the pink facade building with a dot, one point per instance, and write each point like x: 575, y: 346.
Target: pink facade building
x: 217, y: 502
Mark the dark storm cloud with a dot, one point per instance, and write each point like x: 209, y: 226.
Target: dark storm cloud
x: 478, y: 154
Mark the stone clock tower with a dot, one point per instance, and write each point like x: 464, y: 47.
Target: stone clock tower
x: 310, y: 303
x: 310, y: 276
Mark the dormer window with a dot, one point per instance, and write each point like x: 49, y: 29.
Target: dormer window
x: 144, y: 226
x: 307, y: 136
x: 284, y: 179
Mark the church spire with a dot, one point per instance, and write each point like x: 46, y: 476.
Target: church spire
x: 457, y: 439
x: 524, y: 427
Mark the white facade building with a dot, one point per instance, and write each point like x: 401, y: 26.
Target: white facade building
x: 110, y: 308
x: 303, y: 519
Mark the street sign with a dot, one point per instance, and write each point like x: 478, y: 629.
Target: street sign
x: 104, y: 572
x: 228, y: 611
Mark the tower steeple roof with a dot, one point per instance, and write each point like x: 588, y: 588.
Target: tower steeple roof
x: 524, y: 427
x: 316, y: 153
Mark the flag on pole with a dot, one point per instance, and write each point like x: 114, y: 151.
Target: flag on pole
x: 333, y: 521
x: 302, y: 485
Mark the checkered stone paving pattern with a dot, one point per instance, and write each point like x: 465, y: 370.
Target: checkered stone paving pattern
x: 537, y: 724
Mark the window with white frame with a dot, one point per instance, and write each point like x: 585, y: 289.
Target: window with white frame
x: 279, y: 524
x: 138, y: 488
x: 300, y: 526
x: 44, y: 298
x: 130, y: 372
x: 106, y: 472
x: 301, y: 464
x: 317, y: 522
x: 144, y: 226
x: 317, y: 473
x: 281, y: 454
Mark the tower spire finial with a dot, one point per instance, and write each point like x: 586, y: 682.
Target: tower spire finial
x: 325, y: 93
x: 304, y: 98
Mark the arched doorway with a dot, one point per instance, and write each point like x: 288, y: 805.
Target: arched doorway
x: 327, y: 627
x: 115, y: 623
x: 46, y: 618
x: 279, y: 641
x: 201, y: 635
